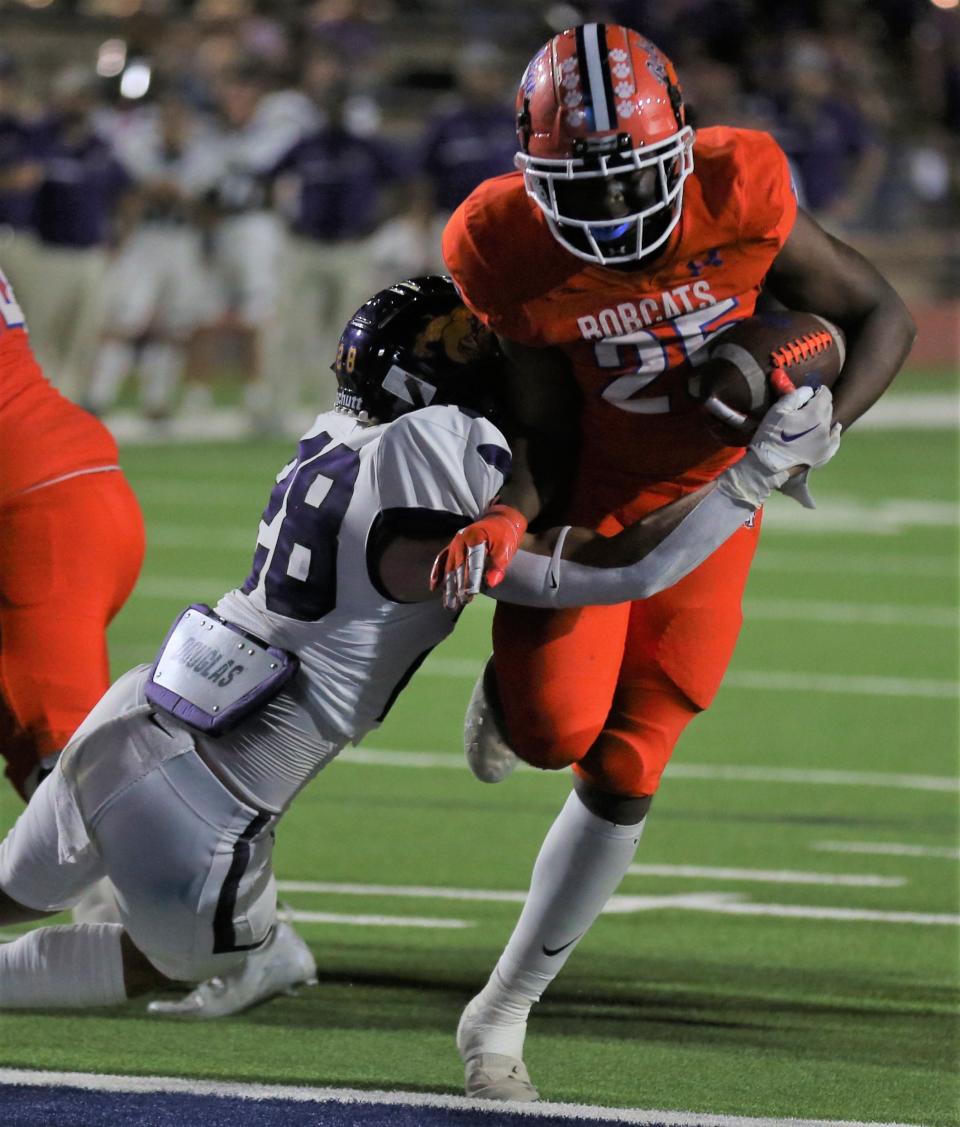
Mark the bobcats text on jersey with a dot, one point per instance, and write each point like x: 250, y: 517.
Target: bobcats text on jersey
x: 628, y: 316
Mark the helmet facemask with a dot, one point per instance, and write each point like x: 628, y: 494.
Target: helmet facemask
x: 601, y: 239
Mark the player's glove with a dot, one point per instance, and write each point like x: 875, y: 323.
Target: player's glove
x: 481, y: 551
x: 796, y: 431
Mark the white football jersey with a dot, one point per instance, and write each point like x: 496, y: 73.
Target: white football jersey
x: 313, y: 591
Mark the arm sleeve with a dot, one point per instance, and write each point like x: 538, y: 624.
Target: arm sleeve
x: 555, y: 583
x: 444, y: 460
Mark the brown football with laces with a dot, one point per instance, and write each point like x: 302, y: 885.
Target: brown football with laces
x: 752, y: 364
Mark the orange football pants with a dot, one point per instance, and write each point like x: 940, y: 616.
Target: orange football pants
x: 609, y: 690
x: 70, y: 554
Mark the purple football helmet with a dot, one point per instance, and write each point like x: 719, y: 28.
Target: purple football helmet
x: 413, y: 344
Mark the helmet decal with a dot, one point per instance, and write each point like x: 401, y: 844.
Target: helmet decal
x: 458, y: 332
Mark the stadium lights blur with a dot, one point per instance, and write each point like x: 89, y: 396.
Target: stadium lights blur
x: 946, y: 4
x: 111, y: 58
x: 37, y: 3
x: 135, y: 81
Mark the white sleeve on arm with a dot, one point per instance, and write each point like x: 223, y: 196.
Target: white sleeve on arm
x: 542, y: 581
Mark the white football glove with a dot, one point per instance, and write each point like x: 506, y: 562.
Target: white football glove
x: 796, y: 431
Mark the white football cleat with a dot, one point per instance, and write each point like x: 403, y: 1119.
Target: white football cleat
x: 491, y: 1075
x: 281, y: 964
x: 489, y: 756
x: 98, y: 905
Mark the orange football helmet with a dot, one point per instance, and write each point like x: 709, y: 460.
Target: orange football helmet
x: 601, y: 103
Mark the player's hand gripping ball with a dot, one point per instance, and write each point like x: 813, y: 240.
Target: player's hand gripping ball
x: 760, y: 359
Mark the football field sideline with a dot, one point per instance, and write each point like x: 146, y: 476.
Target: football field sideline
x: 337, y: 1104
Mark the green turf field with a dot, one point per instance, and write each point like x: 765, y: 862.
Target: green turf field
x: 751, y: 981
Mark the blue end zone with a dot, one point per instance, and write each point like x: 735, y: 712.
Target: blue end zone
x: 74, y: 1107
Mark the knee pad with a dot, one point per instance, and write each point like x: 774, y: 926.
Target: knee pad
x: 631, y: 753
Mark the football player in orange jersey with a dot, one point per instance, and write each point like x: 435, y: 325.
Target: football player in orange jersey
x: 71, y: 546
x: 605, y: 265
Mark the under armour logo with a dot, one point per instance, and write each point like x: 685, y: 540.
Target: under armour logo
x: 713, y: 258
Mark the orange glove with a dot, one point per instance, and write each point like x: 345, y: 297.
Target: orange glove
x: 482, y: 550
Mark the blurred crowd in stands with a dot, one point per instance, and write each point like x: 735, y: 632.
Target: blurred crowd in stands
x: 183, y: 182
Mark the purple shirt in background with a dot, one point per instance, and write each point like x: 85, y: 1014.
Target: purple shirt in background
x: 74, y: 205
x: 465, y: 146
x: 823, y: 149
x: 18, y: 144
x: 341, y: 176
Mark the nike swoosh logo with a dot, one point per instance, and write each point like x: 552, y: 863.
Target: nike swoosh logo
x: 793, y: 437
x: 556, y: 950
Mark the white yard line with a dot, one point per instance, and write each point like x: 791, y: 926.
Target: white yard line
x: 887, y: 849
x: 860, y: 614
x: 498, y: 1111
x: 384, y: 757
x: 405, y: 891
x: 377, y: 921
x: 184, y: 587
x: 814, y: 777
x: 735, y: 907
x: 164, y: 535
x: 887, y: 517
x: 767, y: 876
x: 936, y: 410
x: 725, y: 903
x: 842, y: 684
x: 839, y: 562
x: 774, y: 680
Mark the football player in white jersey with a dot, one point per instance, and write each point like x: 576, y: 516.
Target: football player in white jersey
x: 174, y: 783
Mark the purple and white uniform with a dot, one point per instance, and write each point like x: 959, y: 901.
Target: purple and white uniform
x: 182, y: 823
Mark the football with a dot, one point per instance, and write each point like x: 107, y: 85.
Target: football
x: 735, y: 382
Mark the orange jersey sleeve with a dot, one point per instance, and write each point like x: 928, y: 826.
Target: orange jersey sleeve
x: 501, y: 255
x: 748, y: 171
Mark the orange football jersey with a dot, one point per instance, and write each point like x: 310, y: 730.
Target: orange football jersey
x: 43, y: 436
x: 633, y: 338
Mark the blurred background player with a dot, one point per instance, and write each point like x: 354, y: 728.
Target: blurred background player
x: 21, y: 173
x: 73, y: 213
x: 469, y: 137
x: 245, y: 233
x: 604, y: 266
x: 155, y: 284
x: 70, y: 552
x: 334, y: 185
x: 473, y: 135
